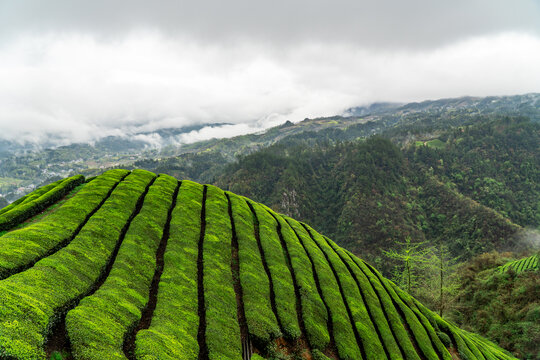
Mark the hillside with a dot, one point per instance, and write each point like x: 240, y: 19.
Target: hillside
x: 138, y: 266
x: 368, y: 195
x: 497, y: 163
x: 170, y: 151
x: 500, y: 299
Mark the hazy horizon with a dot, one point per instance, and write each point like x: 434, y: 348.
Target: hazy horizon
x: 76, y: 73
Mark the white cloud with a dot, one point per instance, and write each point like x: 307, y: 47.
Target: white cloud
x: 80, y: 87
x: 216, y: 132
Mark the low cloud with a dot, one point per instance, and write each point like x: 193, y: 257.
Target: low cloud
x: 69, y: 87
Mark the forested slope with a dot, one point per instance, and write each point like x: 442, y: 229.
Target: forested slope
x: 370, y: 194
x: 500, y: 299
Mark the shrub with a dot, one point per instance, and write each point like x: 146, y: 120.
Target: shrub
x: 167, y: 338
x: 222, y: 330
x: 261, y: 321
x: 314, y: 312
x: 24, y: 247
x: 34, y: 300
x: 98, y: 326
x: 330, y: 293
x: 36, y: 203
x: 279, y: 271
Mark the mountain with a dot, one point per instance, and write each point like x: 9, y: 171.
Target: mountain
x: 170, y: 150
x: 369, y: 195
x: 138, y: 266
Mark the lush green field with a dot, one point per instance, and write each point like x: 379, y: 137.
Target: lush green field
x: 139, y: 266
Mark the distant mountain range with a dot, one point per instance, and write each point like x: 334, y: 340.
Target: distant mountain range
x: 24, y: 167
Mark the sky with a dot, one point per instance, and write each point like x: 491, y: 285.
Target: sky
x: 75, y: 71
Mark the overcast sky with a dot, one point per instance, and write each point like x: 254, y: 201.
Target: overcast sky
x: 78, y: 70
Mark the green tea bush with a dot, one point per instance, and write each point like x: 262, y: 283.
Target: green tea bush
x: 531, y: 263
x: 38, y: 202
x: 364, y: 301
x: 172, y: 334
x: 368, y: 333
x: 368, y: 279
x: 31, y: 196
x: 314, y: 312
x: 23, y: 247
x: 435, y: 340
x: 281, y: 277
x: 98, y: 325
x: 345, y: 339
x: 34, y: 300
x: 418, y: 331
x: 261, y: 321
x: 222, y: 329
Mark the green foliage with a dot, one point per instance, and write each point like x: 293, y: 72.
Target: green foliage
x: 277, y: 265
x: 409, y: 317
x: 503, y: 306
x: 169, y: 338
x: 370, y: 194
x: 531, y: 263
x: 314, y: 312
x: 242, y: 255
x: 495, y: 162
x: 261, y: 321
x: 34, y: 300
x: 23, y: 247
x: 364, y: 302
x: 98, y: 326
x: 38, y: 201
x: 56, y: 355
x: 222, y: 329
x: 369, y: 280
x: 331, y: 295
x: 411, y: 255
x: 369, y: 335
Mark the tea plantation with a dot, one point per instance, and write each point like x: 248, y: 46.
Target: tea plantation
x: 142, y: 266
x: 531, y: 263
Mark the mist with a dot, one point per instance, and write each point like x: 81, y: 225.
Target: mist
x: 77, y: 74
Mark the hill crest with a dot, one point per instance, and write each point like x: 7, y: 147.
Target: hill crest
x: 141, y: 266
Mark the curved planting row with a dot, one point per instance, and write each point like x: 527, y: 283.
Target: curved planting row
x: 528, y: 263
x: 37, y: 201
x: 21, y: 249
x: 147, y: 267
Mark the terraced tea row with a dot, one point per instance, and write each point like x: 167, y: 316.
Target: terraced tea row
x: 147, y: 267
x: 37, y: 201
x: 531, y: 263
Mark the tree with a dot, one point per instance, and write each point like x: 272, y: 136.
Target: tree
x: 411, y: 255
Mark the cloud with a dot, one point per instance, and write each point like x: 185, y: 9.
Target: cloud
x: 216, y: 132
x: 380, y: 24
x: 72, y: 87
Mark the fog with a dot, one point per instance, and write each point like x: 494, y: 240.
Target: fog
x: 77, y: 73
